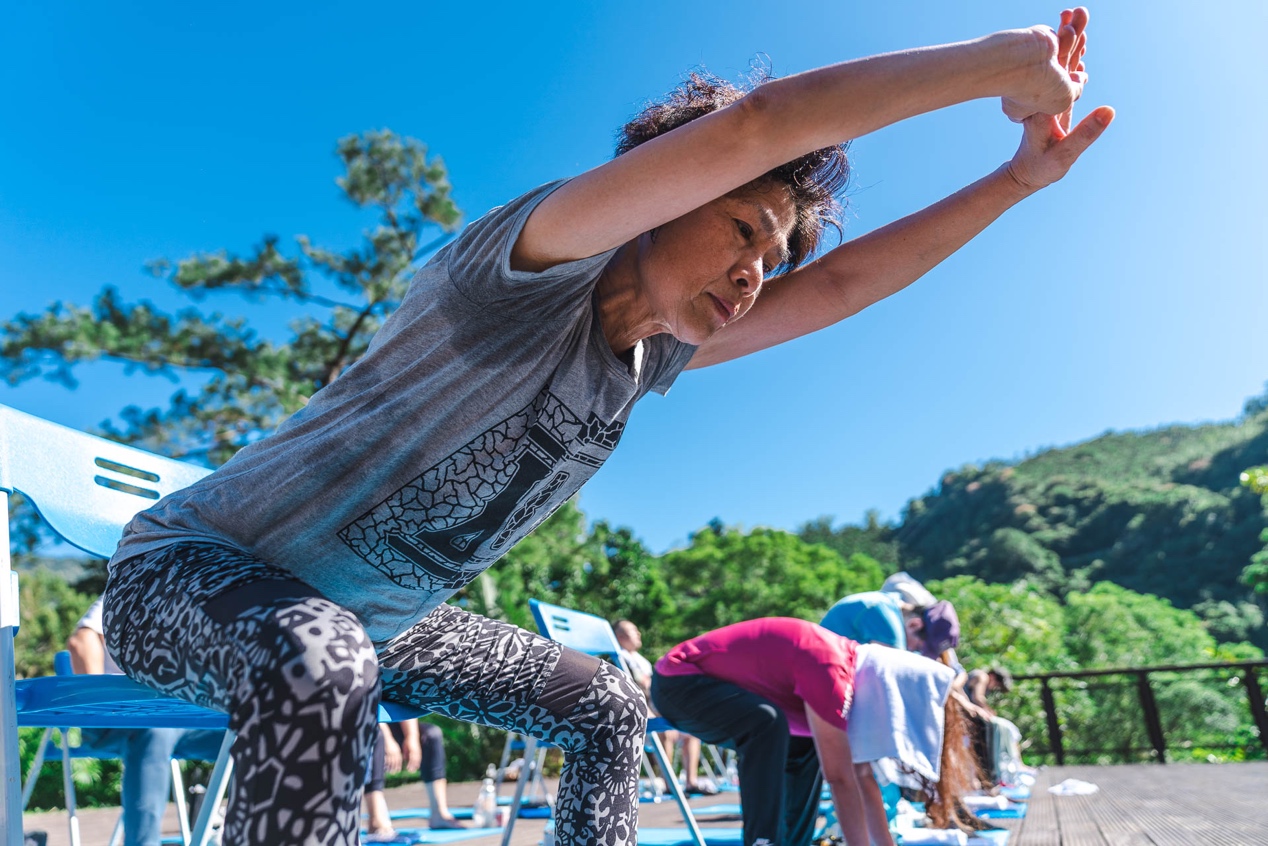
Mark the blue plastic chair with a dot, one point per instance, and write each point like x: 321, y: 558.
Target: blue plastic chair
x: 594, y: 636
x: 52, y: 750
x: 87, y: 489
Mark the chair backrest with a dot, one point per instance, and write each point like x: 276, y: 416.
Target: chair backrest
x: 86, y: 487
x: 577, y: 629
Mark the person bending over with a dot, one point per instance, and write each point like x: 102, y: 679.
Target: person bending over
x: 308, y: 576
x: 799, y: 705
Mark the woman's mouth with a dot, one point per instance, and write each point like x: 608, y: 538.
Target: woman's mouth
x: 724, y: 309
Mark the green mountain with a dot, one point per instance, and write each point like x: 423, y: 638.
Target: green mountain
x: 1158, y: 512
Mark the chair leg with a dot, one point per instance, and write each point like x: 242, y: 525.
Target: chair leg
x: 530, y: 766
x: 503, y: 762
x: 216, y: 787
x: 687, y: 816
x: 28, y: 787
x: 178, y: 796
x: 68, y: 786
x: 116, y: 836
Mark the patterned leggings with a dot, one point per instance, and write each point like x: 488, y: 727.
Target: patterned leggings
x: 301, y: 683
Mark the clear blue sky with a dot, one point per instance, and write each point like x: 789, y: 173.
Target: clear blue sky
x: 1121, y: 298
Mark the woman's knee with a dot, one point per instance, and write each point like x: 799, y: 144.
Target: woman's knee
x: 323, y: 655
x: 430, y: 733
x: 615, y: 705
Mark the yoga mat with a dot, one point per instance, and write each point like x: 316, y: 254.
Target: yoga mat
x: 1020, y: 792
x: 998, y: 837
x: 1012, y: 812
x: 527, y: 812
x: 425, y: 814
x: 715, y: 810
x: 680, y: 836
x: 449, y: 835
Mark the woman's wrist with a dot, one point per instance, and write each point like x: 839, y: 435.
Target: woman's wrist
x: 1018, y: 56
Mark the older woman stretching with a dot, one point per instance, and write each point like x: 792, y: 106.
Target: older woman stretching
x: 308, y: 575
x: 801, y: 704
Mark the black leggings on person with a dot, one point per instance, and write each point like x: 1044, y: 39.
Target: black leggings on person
x: 301, y: 683
x: 779, y: 773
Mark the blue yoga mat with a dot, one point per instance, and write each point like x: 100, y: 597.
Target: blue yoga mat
x: 715, y: 810
x: 1015, y: 792
x: 1012, y: 812
x: 449, y: 835
x: 677, y: 836
x: 998, y: 837
x: 527, y: 812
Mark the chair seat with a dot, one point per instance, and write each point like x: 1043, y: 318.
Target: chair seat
x: 113, y: 701
x: 659, y: 724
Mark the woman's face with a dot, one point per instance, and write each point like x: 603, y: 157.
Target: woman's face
x: 706, y: 268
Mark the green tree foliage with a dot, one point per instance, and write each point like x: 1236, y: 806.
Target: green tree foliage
x: 1256, y: 573
x: 873, y: 539
x: 1158, y: 512
x: 727, y: 575
x: 254, y: 382
x: 49, y: 608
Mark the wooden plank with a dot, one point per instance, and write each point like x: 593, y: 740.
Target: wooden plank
x: 1173, y: 805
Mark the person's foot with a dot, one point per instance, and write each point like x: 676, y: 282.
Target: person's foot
x: 384, y: 835
x: 442, y: 823
x: 700, y: 789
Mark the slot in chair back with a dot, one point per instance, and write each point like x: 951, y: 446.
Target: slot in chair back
x: 594, y: 636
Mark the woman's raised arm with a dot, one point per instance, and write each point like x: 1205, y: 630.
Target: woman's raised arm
x: 888, y: 259
x: 786, y: 118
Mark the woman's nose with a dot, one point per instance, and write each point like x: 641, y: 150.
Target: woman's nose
x: 747, y: 273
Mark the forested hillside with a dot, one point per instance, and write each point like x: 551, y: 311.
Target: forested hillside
x: 1158, y: 512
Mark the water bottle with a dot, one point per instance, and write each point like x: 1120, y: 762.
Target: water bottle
x: 484, y: 812
x: 732, y: 772
x: 548, y: 833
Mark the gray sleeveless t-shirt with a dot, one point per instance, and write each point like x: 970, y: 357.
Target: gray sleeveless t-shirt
x: 485, y: 401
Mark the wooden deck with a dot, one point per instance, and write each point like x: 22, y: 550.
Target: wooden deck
x: 1176, y: 805
x: 1138, y: 805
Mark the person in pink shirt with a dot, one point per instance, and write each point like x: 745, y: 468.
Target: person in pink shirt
x: 802, y: 705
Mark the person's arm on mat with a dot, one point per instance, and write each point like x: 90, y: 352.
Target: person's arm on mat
x: 856, y: 810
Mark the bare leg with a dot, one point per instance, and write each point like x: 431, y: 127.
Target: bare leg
x: 380, y: 822
x: 691, y: 763
x: 438, y: 801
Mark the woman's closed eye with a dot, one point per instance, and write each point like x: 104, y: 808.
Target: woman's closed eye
x: 745, y: 229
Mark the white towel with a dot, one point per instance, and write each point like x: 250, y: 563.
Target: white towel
x: 896, y: 719
x: 1073, y: 787
x: 930, y: 836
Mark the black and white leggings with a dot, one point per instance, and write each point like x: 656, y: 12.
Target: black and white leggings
x: 301, y: 682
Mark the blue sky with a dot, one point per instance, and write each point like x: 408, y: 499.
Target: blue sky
x: 1121, y: 298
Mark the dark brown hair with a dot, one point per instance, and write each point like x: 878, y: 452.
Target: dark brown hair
x: 957, y: 773
x: 814, y: 180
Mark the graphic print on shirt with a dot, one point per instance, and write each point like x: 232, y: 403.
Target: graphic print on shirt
x: 448, y: 524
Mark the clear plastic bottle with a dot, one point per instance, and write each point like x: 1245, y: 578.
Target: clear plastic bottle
x: 732, y: 772
x: 484, y: 812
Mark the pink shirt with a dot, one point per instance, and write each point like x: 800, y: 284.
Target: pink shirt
x: 792, y: 663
